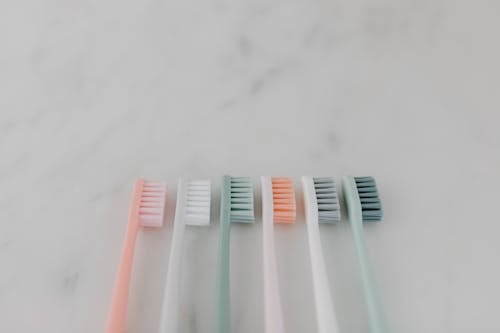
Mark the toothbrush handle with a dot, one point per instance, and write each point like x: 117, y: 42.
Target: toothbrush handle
x: 170, y: 306
x: 376, y: 316
x: 223, y: 320
x: 272, y: 301
x: 325, y: 310
x: 274, y: 312
x: 118, y: 310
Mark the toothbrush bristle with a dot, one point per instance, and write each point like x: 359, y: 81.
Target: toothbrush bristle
x: 371, y: 207
x: 197, y: 202
x: 152, y: 203
x: 328, y: 200
x: 284, y: 206
x: 241, y: 196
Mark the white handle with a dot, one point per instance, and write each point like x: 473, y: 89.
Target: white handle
x: 325, y: 310
x: 272, y: 301
x: 171, y: 295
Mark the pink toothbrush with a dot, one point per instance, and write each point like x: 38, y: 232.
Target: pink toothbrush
x: 146, y: 210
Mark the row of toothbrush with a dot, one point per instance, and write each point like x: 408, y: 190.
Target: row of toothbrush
x: 237, y: 205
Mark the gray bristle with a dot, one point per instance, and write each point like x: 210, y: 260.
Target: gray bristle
x: 328, y: 200
x: 242, y: 208
x: 371, y: 206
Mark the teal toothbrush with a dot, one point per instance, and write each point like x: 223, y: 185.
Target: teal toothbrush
x: 236, y: 206
x: 363, y: 205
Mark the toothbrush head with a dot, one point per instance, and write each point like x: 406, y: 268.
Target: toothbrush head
x: 327, y: 199
x: 148, y: 203
x: 237, y: 199
x: 197, y: 202
x: 371, y: 206
x: 284, y: 206
x: 361, y: 197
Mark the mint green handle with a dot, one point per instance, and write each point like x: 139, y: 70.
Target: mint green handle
x: 376, y: 315
x: 223, y: 319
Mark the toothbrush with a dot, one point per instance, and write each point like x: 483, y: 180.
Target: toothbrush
x: 363, y: 205
x: 147, y: 209
x: 321, y: 206
x: 278, y: 206
x: 237, y: 207
x: 192, y: 208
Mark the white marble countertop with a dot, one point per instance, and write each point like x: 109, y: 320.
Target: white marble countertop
x: 97, y: 93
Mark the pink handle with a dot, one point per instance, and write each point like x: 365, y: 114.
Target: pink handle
x: 118, y: 311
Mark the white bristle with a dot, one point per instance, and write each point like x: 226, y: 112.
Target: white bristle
x: 152, y: 204
x: 197, y: 202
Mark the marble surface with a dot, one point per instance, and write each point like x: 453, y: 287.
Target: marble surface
x: 97, y: 93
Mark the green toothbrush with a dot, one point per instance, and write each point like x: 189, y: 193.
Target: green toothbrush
x: 236, y: 206
x: 363, y: 205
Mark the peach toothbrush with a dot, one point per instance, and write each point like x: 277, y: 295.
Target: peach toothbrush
x: 192, y: 208
x: 278, y: 206
x: 147, y: 209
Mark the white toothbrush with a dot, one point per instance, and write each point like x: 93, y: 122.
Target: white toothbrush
x: 192, y: 208
x: 321, y: 206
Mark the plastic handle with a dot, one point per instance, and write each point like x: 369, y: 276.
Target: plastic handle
x: 376, y: 315
x: 325, y: 310
x: 272, y: 303
x: 223, y: 320
x: 118, y: 311
x: 170, y: 306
